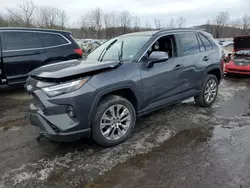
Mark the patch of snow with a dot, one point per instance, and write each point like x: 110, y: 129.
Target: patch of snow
x: 15, y: 128
x: 18, y: 178
x: 190, y: 100
x: 44, y: 173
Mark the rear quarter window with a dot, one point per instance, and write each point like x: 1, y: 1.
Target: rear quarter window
x: 18, y: 40
x: 189, y: 43
x: 50, y: 40
x: 207, y: 44
x: 202, y: 48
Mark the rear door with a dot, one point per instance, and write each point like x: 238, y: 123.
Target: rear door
x: 193, y: 57
x: 22, y: 52
x: 212, y: 55
x: 59, y: 47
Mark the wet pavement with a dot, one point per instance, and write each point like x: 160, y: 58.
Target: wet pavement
x: 180, y: 146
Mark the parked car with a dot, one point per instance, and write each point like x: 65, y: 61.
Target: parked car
x: 238, y: 62
x: 22, y: 50
x: 127, y: 76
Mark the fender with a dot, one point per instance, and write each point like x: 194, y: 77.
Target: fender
x: 210, y: 68
x: 111, y: 89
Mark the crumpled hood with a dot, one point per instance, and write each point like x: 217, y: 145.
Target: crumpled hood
x: 71, y: 68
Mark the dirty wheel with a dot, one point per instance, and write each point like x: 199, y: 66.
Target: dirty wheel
x: 114, y: 121
x: 208, y: 92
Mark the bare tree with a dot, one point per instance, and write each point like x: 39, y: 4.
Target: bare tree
x: 245, y: 20
x: 62, y: 18
x: 136, y: 23
x: 125, y: 20
x: 96, y: 20
x: 221, y: 21
x: 84, y: 24
x: 235, y: 24
x: 158, y: 23
x: 147, y: 25
x: 51, y: 17
x: 115, y: 19
x: 23, y: 15
x: 208, y: 27
x: 107, y: 20
x: 181, y: 22
x: 3, y: 22
x: 171, y: 23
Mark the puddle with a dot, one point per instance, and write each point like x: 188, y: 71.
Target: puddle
x: 193, y: 158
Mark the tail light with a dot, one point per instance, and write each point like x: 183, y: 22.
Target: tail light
x: 78, y: 51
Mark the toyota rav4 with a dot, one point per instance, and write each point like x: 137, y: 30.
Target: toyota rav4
x: 128, y: 76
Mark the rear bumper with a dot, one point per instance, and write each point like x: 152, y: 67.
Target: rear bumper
x: 52, y: 131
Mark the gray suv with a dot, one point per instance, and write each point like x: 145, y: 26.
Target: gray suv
x: 128, y: 76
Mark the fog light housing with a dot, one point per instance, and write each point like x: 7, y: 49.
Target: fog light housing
x: 70, y: 111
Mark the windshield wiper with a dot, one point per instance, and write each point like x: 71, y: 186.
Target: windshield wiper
x: 120, y: 53
x: 105, y: 50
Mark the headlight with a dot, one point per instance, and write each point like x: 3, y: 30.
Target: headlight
x: 64, y: 87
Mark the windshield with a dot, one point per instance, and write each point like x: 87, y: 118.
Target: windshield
x: 111, y: 50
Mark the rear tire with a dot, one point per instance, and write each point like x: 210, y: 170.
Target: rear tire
x: 108, y: 127
x: 208, y: 92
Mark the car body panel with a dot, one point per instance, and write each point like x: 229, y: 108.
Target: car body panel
x: 70, y: 68
x: 17, y: 63
x: 232, y: 68
x: 241, y: 43
x: 155, y: 87
x: 239, y: 60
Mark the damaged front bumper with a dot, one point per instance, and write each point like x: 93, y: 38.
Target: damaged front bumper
x: 53, y: 131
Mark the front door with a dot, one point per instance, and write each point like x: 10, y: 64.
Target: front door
x: 22, y: 52
x: 161, y: 83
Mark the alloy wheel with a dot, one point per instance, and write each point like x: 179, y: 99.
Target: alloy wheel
x: 115, y: 122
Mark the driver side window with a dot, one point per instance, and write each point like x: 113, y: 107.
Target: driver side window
x: 164, y: 44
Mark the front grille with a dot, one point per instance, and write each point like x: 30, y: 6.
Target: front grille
x: 37, y: 102
x: 238, y: 70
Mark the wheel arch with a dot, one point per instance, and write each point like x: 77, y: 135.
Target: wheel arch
x: 127, y: 91
x: 214, y: 70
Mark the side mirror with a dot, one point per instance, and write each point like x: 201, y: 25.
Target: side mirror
x: 157, y: 57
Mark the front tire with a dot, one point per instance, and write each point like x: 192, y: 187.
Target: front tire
x: 114, y: 121
x: 208, y: 92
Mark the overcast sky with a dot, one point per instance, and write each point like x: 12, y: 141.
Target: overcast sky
x: 195, y: 11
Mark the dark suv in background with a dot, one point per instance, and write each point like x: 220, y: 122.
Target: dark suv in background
x: 126, y: 77
x: 22, y: 50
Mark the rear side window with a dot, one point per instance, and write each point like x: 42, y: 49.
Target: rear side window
x: 50, y: 40
x: 20, y: 40
x: 202, y: 48
x: 189, y: 43
x: 208, y: 45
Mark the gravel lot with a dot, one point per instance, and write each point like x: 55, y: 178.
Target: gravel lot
x: 180, y: 146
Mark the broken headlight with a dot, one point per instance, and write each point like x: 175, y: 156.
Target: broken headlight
x: 66, y: 87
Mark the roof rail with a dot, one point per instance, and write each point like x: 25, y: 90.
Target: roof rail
x: 34, y: 29
x: 179, y: 29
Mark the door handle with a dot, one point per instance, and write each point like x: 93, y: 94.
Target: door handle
x: 206, y: 58
x: 177, y: 67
